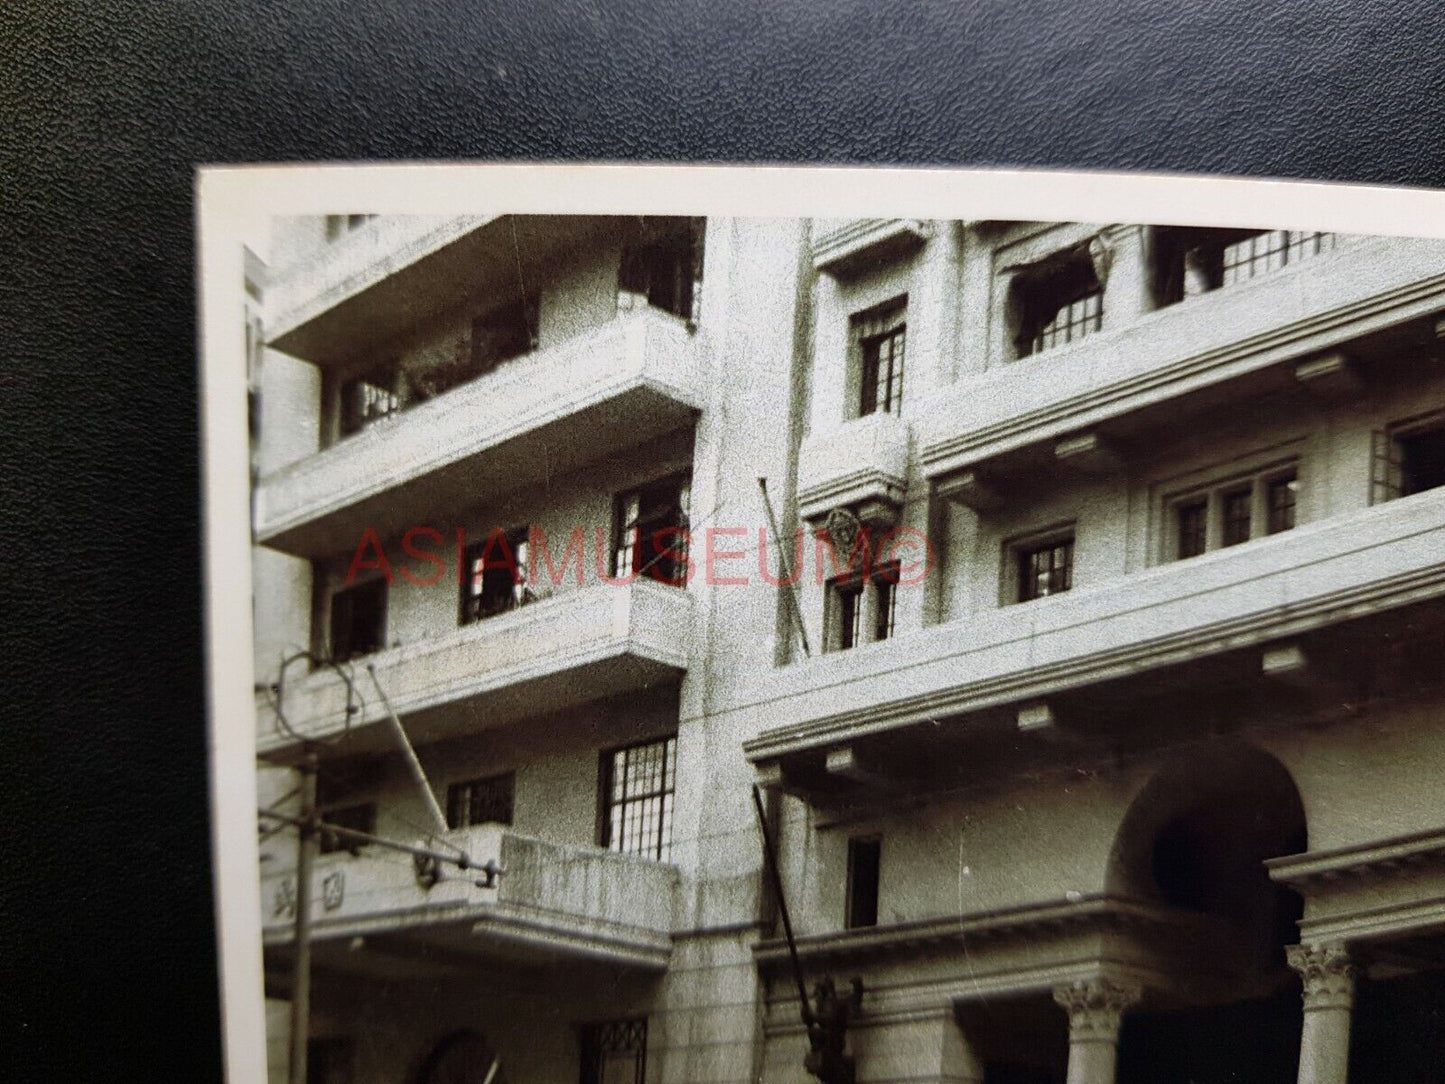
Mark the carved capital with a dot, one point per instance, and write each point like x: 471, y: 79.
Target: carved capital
x: 1328, y: 975
x: 1096, y: 1007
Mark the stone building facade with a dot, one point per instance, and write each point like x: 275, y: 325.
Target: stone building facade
x: 1099, y: 735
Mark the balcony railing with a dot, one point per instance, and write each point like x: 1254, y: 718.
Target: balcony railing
x: 552, y: 411
x: 579, y: 645
x: 1282, y: 586
x: 1363, y: 286
x: 549, y: 901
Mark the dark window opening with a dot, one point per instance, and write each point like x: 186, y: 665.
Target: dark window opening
x: 1046, y: 569
x: 1236, y: 509
x: 885, y: 587
x: 652, y: 532
x: 863, y: 865
x: 662, y: 264
x: 1192, y: 522
x: 358, y: 620
x: 359, y: 818
x: 368, y: 398
x: 1407, y: 460
x: 614, y: 1052
x: 495, y: 575
x: 503, y: 334
x: 1189, y: 261
x: 481, y: 801
x: 879, y: 338
x: 637, y: 795
x: 862, y: 611
x: 1281, y: 496
x: 330, y: 1061
x: 1059, y: 302
x: 848, y: 604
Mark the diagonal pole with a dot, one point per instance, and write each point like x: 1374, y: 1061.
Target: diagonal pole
x: 777, y: 880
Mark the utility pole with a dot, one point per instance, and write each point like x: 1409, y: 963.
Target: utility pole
x: 307, y: 845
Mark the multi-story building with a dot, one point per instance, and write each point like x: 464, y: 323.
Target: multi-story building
x: 1100, y: 735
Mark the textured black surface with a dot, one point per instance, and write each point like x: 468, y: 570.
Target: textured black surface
x: 106, y: 965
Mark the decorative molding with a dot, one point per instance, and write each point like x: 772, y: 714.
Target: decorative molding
x: 1096, y: 1008
x: 844, y: 251
x: 1368, y: 861
x: 1328, y: 975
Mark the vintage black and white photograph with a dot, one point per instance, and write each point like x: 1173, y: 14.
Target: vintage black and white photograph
x: 667, y: 636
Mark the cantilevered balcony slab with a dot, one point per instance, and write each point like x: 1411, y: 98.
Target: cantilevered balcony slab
x: 1235, y: 334
x: 539, y: 416
x: 396, y: 272
x: 579, y: 645
x: 550, y: 903
x: 1287, y: 585
x: 861, y: 461
x: 847, y: 246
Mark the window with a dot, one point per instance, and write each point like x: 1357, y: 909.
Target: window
x: 358, y: 620
x: 503, y: 334
x: 862, y: 896
x: 662, y: 266
x: 1045, y: 568
x: 1408, y: 458
x: 1237, y: 506
x: 652, y: 532
x: 496, y: 575
x: 637, y: 792
x: 343, y: 798
x: 614, y: 1052
x: 1058, y: 301
x: 1232, y: 511
x: 369, y: 398
x: 861, y: 610
x: 1282, y: 494
x: 1192, y: 518
x: 481, y: 801
x: 878, y: 338
x: 330, y: 1061
x: 1190, y: 261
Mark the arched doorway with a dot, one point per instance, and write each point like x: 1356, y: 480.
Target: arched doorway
x: 1195, y: 840
x: 463, y: 1057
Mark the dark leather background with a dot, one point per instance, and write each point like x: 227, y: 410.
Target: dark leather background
x: 106, y: 963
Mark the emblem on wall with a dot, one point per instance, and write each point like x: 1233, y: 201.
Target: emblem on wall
x: 333, y: 890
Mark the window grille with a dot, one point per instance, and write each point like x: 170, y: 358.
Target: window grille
x: 614, y: 1052
x: 662, y: 266
x: 1072, y: 321
x: 637, y: 790
x: 1282, y: 495
x: 1058, y: 301
x: 1261, y: 253
x: 495, y: 579
x: 367, y: 399
x: 1192, y: 521
x: 1236, y: 504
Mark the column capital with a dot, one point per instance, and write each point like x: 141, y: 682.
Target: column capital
x: 1327, y: 972
x: 1096, y: 1007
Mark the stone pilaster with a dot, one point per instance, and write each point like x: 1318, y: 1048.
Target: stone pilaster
x: 1096, y: 1009
x: 1328, y: 975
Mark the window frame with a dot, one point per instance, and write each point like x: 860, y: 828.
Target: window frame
x: 666, y: 796
x: 868, y: 331
x: 350, y: 591
x: 518, y: 542
x: 468, y: 789
x: 1257, y: 476
x: 845, y: 628
x: 1019, y: 551
x: 1387, y: 455
x: 1039, y: 293
x: 679, y: 486
x: 851, y: 899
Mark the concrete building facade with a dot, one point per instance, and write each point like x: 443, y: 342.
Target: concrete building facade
x: 1099, y: 736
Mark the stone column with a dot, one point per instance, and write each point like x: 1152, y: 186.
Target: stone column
x: 1096, y: 1009
x: 1328, y: 975
x: 1121, y: 262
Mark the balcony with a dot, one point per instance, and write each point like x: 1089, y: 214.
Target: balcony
x: 1244, y: 334
x: 1187, y: 612
x: 549, y: 904
x: 861, y: 461
x: 397, y: 271
x: 847, y: 246
x: 580, y: 645
x: 539, y: 416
